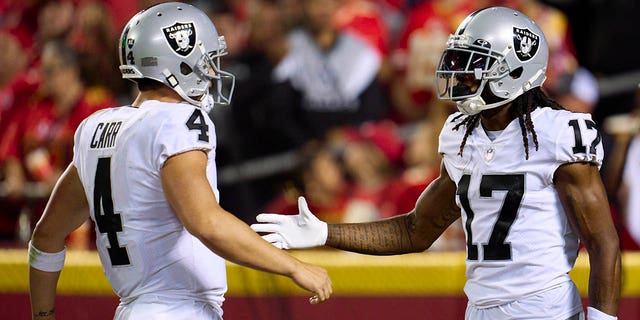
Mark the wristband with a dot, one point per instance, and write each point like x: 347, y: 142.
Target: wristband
x: 49, y: 262
x: 595, y: 314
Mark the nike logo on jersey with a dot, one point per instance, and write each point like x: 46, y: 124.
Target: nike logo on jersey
x: 105, y: 135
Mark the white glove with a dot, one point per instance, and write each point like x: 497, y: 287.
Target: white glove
x: 595, y: 314
x: 303, y: 230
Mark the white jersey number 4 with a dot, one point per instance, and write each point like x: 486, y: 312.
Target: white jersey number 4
x: 107, y: 220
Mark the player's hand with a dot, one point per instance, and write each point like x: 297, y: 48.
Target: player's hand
x: 303, y: 230
x: 314, y: 279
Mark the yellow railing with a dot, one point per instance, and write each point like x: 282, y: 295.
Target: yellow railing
x: 429, y: 273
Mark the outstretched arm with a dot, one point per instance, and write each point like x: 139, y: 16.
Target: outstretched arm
x: 585, y: 201
x: 415, y: 231
x: 66, y: 210
x: 187, y: 189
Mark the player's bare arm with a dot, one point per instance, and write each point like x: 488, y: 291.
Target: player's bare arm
x: 584, y: 199
x: 66, y: 210
x: 415, y: 231
x: 187, y: 189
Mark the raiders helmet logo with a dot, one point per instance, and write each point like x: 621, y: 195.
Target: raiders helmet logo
x: 525, y: 43
x: 181, y: 37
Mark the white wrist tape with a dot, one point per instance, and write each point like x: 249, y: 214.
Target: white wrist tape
x: 50, y: 262
x: 595, y: 314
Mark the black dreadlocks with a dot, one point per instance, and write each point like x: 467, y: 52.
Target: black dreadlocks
x: 521, y: 108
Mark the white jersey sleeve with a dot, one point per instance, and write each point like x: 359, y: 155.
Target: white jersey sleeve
x: 631, y: 178
x: 577, y: 138
x: 180, y: 132
x: 574, y: 137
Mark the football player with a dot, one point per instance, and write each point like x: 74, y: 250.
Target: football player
x: 521, y: 171
x: 147, y: 174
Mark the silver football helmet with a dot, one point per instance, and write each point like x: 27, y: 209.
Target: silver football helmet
x: 178, y: 45
x: 502, y: 48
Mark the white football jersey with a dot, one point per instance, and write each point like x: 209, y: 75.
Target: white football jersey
x: 143, y: 246
x: 519, y: 241
x: 631, y: 179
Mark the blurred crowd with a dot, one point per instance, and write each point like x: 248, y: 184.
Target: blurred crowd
x: 346, y: 86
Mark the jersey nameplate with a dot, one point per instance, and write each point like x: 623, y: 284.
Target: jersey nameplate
x: 105, y: 134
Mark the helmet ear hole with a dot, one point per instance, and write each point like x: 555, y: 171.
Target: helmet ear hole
x: 516, y: 73
x: 185, y: 69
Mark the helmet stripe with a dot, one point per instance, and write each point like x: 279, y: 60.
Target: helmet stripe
x: 468, y: 19
x: 123, y: 45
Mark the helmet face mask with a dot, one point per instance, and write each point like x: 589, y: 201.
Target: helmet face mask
x: 208, y: 69
x: 499, y: 47
x: 223, y: 81
x: 178, y: 45
x: 462, y: 62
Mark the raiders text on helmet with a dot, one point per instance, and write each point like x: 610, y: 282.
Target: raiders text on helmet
x: 178, y: 45
x: 502, y: 48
